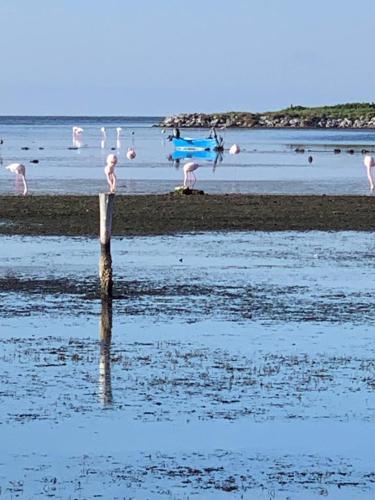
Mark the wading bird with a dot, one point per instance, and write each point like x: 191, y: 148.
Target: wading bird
x: 77, y: 137
x: 131, y: 154
x: 234, y: 149
x: 189, y: 176
x: 19, y: 169
x: 369, y: 163
x: 109, y: 171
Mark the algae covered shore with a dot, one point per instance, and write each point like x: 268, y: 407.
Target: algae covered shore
x: 169, y: 214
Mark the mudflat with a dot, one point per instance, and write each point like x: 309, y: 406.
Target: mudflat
x: 173, y: 213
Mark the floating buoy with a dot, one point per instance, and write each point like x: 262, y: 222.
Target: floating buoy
x: 234, y: 150
x: 131, y: 154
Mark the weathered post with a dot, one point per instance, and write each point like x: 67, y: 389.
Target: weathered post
x: 105, y: 385
x: 106, y: 203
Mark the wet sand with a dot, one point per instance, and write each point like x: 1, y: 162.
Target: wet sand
x: 170, y: 213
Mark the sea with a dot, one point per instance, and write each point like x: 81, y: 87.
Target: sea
x: 268, y: 161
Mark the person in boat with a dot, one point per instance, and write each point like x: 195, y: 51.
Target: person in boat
x: 175, y: 134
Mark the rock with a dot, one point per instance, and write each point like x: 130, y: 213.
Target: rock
x: 264, y: 120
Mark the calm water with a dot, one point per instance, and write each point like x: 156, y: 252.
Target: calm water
x: 241, y: 366
x: 267, y: 163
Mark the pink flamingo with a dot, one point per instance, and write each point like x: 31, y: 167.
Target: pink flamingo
x: 77, y: 136
x: 369, y: 163
x: 131, y: 154
x: 19, y: 169
x: 189, y: 176
x: 234, y: 149
x: 109, y: 171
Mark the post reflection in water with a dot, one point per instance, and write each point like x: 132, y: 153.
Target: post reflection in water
x: 105, y: 386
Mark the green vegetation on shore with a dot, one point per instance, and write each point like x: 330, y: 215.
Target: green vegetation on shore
x: 350, y: 115
x: 353, y: 111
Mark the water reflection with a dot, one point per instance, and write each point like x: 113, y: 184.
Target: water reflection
x: 105, y: 385
x: 212, y: 157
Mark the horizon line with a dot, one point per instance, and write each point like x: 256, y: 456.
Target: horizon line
x: 82, y: 116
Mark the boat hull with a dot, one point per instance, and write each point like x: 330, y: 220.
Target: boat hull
x: 187, y: 144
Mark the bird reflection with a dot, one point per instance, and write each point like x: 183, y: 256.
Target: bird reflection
x: 118, y: 137
x: 105, y: 385
x: 104, y: 137
x: 218, y: 159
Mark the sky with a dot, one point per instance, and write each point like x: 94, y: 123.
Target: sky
x: 162, y: 57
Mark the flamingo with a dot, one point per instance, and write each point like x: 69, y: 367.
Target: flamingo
x: 109, y: 171
x: 369, y: 163
x: 189, y: 176
x: 131, y: 154
x: 234, y: 149
x: 77, y: 136
x: 19, y: 169
x: 77, y: 132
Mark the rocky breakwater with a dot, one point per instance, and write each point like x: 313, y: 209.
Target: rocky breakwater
x: 264, y: 120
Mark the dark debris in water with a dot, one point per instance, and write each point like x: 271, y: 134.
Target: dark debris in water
x: 54, y: 378
x: 193, y: 301
x: 158, y: 475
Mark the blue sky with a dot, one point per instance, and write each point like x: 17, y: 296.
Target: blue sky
x: 158, y: 57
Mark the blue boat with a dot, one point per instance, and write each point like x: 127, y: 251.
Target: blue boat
x: 189, y: 144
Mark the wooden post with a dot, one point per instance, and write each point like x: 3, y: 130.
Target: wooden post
x: 105, y: 385
x: 106, y: 203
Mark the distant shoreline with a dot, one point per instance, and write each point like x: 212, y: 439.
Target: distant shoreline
x: 172, y: 214
x: 341, y: 116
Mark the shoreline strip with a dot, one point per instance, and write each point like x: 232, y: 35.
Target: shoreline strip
x: 171, y: 214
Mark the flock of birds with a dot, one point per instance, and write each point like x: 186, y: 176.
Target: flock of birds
x: 77, y: 139
x: 189, y: 168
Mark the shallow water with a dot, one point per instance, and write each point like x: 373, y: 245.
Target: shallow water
x: 239, y: 364
x: 267, y: 163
